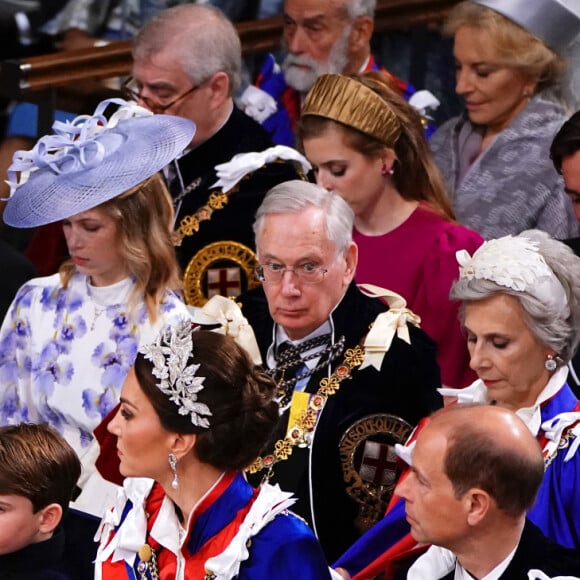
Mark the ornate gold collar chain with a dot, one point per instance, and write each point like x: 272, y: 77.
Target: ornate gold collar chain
x: 189, y: 225
x: 300, y: 433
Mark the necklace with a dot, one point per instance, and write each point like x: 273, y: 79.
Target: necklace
x: 189, y: 225
x: 300, y: 433
x: 191, y: 187
x: 97, y: 311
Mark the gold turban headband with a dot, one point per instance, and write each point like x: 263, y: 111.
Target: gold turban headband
x: 353, y: 104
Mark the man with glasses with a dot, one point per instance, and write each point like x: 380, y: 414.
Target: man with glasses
x: 347, y: 392
x: 187, y: 62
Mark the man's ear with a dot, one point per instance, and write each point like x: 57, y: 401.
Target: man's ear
x: 351, y: 259
x: 360, y: 34
x: 220, y: 88
x: 49, y: 518
x: 477, y: 504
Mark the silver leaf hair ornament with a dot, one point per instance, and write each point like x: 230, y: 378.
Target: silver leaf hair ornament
x: 515, y: 263
x: 170, y: 355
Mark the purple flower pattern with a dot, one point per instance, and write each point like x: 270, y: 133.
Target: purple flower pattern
x: 63, y: 372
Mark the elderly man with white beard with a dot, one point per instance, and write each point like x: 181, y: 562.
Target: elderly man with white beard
x: 320, y: 36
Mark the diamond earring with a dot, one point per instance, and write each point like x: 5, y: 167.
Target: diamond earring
x: 173, y: 466
x: 550, y: 363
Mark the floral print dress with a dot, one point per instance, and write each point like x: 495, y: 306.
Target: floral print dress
x: 65, y: 352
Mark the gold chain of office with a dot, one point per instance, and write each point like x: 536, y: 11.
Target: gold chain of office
x: 189, y: 225
x: 299, y: 433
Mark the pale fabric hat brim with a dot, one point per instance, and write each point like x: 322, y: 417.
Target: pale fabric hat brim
x: 555, y: 22
x: 135, y: 149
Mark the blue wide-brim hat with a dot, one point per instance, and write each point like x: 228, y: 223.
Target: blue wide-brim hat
x: 91, y: 160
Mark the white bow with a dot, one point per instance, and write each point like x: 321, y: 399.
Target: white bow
x: 424, y: 102
x: 224, y: 311
x: 475, y: 393
x: 405, y: 452
x: 258, y: 104
x: 132, y: 534
x: 539, y: 575
x: 270, y: 502
x: 231, y: 172
x: 379, y: 339
x: 554, y: 429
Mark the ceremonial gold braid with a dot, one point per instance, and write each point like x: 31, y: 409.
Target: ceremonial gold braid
x: 348, y: 101
x: 189, y: 224
x: 297, y: 435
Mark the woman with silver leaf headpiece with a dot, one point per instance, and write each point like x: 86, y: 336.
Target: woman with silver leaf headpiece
x: 194, y: 413
x: 495, y: 157
x: 520, y: 308
x: 69, y: 339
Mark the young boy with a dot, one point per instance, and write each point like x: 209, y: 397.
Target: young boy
x: 38, y: 473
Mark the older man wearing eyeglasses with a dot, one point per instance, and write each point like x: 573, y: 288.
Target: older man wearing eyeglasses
x: 354, y: 376
x: 187, y: 62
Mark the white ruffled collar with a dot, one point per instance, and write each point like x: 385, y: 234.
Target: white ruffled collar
x: 531, y: 416
x: 167, y: 530
x: 133, y: 533
x: 270, y: 502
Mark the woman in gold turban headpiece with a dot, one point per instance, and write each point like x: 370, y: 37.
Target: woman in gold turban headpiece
x: 368, y: 144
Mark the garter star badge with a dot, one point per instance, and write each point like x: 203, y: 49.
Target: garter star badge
x: 225, y: 268
x: 369, y: 464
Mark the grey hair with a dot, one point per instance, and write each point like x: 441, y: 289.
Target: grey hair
x: 547, y: 323
x: 294, y: 196
x: 356, y: 8
x: 204, y: 41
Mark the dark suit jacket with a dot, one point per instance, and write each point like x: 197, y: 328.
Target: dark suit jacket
x: 16, y: 269
x: 405, y: 386
x: 41, y: 561
x: 234, y: 222
x: 536, y: 552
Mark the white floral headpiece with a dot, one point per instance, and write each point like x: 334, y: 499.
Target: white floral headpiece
x: 513, y: 262
x: 170, y: 355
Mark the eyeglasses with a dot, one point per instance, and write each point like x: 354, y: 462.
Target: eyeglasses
x: 307, y: 273
x: 131, y: 91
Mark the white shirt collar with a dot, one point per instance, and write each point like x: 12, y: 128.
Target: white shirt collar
x: 462, y: 574
x: 437, y: 562
x: 280, y: 336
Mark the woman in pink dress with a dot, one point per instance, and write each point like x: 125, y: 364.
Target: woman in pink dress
x: 367, y: 143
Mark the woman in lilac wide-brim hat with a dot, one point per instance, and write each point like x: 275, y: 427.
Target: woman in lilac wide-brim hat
x: 69, y: 339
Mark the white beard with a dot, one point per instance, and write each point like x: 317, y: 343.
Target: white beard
x: 302, y: 79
